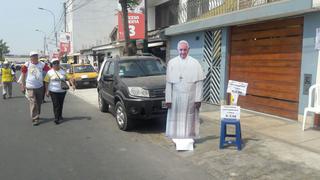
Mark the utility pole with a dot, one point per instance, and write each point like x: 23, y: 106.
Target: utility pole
x: 145, y: 42
x: 124, y: 6
x: 44, y: 45
x: 65, y: 16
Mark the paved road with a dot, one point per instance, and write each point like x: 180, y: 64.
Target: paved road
x: 88, y: 146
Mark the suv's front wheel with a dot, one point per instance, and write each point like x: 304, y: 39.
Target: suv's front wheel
x: 121, y: 116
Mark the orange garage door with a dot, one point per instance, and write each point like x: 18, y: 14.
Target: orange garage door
x: 268, y: 56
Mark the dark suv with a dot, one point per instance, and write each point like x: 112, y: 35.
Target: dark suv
x: 132, y: 88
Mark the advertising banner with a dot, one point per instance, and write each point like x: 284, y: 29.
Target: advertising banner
x: 55, y: 55
x: 136, y: 26
x: 64, y: 44
x: 64, y: 47
x: 135, y: 21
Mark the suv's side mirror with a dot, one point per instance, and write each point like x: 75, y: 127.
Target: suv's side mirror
x: 107, y: 77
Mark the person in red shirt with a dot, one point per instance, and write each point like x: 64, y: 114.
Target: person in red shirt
x: 32, y: 83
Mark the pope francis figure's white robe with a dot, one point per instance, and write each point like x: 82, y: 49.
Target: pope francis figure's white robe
x: 183, y: 89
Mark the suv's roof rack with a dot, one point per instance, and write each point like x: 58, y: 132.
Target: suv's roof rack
x: 144, y: 54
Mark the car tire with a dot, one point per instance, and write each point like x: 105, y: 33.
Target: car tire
x: 103, y: 106
x: 123, y: 122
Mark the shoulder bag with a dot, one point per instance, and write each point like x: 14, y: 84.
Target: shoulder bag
x: 63, y: 83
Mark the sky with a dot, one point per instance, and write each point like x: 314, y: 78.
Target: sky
x: 20, y: 19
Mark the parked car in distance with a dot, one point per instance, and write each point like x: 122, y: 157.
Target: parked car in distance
x: 83, y: 75
x: 132, y: 88
x: 18, y: 65
x: 66, y: 66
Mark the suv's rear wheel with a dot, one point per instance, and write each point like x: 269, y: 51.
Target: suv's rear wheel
x: 121, y: 116
x: 103, y: 106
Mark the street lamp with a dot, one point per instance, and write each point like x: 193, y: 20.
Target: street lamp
x: 54, y: 23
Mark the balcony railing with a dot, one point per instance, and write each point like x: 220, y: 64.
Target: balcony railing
x: 189, y: 10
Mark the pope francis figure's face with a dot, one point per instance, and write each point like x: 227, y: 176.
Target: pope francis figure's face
x: 183, y: 50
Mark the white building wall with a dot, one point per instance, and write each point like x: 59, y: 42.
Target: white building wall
x: 152, y: 12
x: 91, y: 22
x: 151, y: 18
x: 69, y: 20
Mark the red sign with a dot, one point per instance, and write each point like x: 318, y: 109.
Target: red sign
x: 64, y: 47
x: 136, y: 26
x: 55, y: 55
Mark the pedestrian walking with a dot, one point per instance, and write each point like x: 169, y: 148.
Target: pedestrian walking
x: 95, y: 66
x: 32, y: 83
x: 55, y: 82
x: 44, y: 89
x: 183, y: 94
x: 7, y: 77
x: 13, y: 67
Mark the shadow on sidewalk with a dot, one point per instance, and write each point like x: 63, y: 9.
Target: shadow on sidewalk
x: 17, y: 97
x: 153, y: 126
x: 65, y: 119
x: 88, y: 118
x: 204, y: 139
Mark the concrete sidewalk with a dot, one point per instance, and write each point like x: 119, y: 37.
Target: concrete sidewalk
x: 284, y: 130
x: 274, y: 148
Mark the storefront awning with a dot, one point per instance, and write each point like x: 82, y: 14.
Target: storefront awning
x: 155, y: 44
x: 74, y: 54
x: 108, y: 46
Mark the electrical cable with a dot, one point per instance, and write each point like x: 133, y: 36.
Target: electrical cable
x: 81, y: 6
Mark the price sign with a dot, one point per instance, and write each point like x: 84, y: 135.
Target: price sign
x: 235, y: 87
x: 230, y: 112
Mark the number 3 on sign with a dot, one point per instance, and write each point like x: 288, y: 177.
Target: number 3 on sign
x: 132, y: 30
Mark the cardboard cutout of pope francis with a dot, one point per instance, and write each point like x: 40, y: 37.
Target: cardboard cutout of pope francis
x: 183, y: 98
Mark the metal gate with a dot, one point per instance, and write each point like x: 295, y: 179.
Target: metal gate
x: 212, y: 58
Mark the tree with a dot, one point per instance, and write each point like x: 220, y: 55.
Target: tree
x: 129, y: 48
x: 4, y: 49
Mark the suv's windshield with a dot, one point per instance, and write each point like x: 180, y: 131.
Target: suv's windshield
x: 136, y: 68
x: 83, y: 68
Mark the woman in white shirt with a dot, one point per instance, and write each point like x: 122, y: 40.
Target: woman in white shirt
x: 53, y: 81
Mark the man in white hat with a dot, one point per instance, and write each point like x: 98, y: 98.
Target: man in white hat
x: 7, y: 77
x: 32, y: 82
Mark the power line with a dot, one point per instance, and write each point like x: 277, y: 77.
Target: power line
x: 60, y: 22
x: 69, y: 3
x: 81, y: 6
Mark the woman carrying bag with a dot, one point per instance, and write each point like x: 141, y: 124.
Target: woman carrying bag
x: 56, y: 87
